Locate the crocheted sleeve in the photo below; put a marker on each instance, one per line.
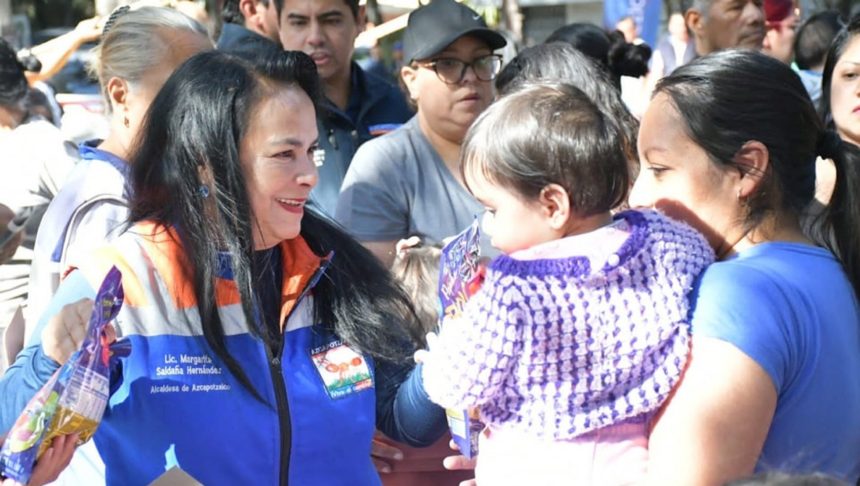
(475, 352)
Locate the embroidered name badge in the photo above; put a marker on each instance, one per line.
(319, 157)
(342, 369)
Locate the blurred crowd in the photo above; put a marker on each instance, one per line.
(667, 269)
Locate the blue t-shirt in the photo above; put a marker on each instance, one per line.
(791, 308)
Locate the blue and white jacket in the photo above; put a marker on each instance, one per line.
(174, 402)
(86, 213)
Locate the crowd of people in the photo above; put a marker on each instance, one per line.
(670, 270)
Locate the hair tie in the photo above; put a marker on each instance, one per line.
(829, 144)
(117, 13)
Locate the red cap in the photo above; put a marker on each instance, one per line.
(776, 10)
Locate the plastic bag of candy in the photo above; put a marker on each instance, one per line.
(75, 397)
(460, 277)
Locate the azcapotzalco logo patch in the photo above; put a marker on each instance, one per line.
(342, 369)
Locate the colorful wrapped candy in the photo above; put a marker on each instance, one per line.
(75, 397)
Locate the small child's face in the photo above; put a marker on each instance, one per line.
(513, 223)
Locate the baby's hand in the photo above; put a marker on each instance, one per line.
(405, 244)
(423, 355)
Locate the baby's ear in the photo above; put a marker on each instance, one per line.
(555, 202)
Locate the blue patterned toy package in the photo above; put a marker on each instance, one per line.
(460, 277)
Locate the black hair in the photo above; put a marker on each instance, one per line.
(13, 82)
(550, 133)
(196, 124)
(39, 107)
(608, 49)
(731, 97)
(560, 62)
(814, 37)
(837, 48)
(352, 4)
(230, 13)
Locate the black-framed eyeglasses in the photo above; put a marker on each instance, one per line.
(451, 70)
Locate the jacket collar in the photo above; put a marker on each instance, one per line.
(367, 88)
(234, 36)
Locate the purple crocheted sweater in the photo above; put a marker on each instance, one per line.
(552, 348)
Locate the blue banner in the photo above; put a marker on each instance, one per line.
(646, 14)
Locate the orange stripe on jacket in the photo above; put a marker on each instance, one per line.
(164, 249)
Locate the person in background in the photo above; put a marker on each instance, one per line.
(625, 61)
(54, 54)
(138, 51)
(288, 321)
(840, 85)
(376, 64)
(782, 18)
(729, 145)
(10, 241)
(811, 44)
(247, 23)
(724, 24)
(610, 50)
(41, 108)
(35, 162)
(407, 183)
(358, 106)
(627, 26)
(674, 49)
(838, 109)
(416, 267)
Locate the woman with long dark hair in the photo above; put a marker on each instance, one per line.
(267, 346)
(729, 145)
(839, 108)
(139, 48)
(840, 83)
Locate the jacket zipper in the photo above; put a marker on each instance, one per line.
(283, 411)
(282, 403)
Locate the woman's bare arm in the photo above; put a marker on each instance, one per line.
(714, 427)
